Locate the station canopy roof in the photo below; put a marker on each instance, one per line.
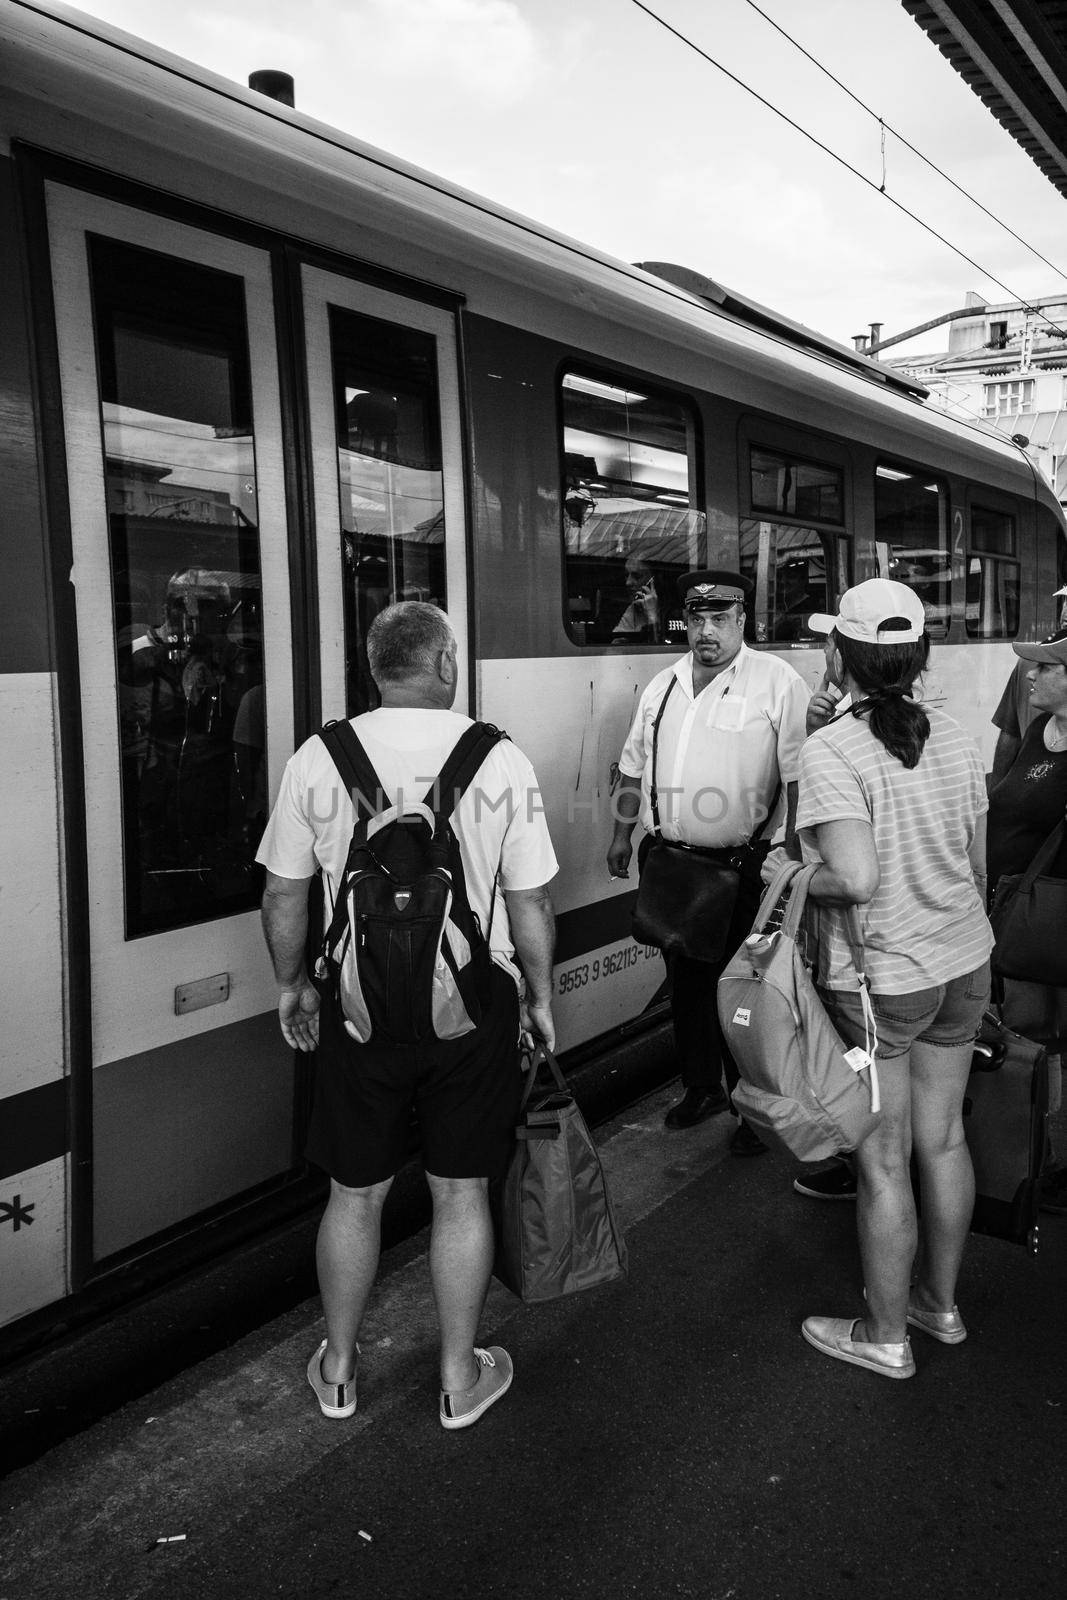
(1013, 53)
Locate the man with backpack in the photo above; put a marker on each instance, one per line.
(435, 856)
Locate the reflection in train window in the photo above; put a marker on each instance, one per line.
(389, 478)
(180, 479)
(992, 608)
(911, 539)
(795, 488)
(630, 524)
(795, 571)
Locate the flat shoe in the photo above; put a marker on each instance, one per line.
(833, 1336)
(944, 1325)
(462, 1407)
(335, 1399)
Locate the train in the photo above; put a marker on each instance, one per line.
(258, 380)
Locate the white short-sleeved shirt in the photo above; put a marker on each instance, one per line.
(722, 753)
(499, 822)
(925, 923)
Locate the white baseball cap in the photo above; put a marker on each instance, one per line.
(865, 611)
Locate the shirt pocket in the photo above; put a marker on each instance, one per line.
(728, 713)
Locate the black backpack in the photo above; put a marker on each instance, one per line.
(404, 956)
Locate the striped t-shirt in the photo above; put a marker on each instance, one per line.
(925, 923)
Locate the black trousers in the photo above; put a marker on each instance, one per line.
(703, 1058)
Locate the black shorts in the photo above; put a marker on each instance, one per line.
(465, 1093)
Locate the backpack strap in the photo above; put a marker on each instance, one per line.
(361, 782)
(455, 777)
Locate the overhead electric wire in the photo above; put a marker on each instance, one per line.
(825, 148)
(888, 127)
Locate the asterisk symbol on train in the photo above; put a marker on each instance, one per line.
(15, 1212)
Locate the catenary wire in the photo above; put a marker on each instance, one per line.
(825, 148)
(888, 128)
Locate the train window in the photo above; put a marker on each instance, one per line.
(992, 606)
(796, 571)
(389, 477)
(630, 527)
(180, 476)
(795, 488)
(911, 539)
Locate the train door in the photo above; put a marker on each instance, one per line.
(386, 445)
(172, 421)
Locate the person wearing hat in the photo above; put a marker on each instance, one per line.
(1029, 801)
(892, 807)
(726, 766)
(1015, 711)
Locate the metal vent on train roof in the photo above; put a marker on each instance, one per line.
(275, 85)
(755, 315)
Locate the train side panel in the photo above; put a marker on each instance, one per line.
(34, 1111)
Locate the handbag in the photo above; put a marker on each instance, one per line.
(686, 896)
(1005, 1119)
(799, 1082)
(556, 1230)
(1029, 919)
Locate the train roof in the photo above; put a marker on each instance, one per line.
(73, 85)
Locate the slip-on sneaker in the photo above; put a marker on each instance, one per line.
(944, 1325)
(833, 1183)
(833, 1336)
(460, 1408)
(335, 1399)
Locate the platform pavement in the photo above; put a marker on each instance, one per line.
(668, 1435)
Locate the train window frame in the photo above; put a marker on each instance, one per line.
(793, 458)
(639, 577)
(998, 571)
(940, 613)
(765, 629)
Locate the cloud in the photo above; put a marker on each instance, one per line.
(483, 47)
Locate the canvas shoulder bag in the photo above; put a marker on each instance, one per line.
(800, 1083)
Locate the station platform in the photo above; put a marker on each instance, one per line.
(671, 1434)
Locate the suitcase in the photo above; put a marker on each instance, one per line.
(1005, 1117)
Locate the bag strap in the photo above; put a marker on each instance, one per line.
(541, 1056)
(1045, 856)
(455, 777)
(353, 763)
(774, 892)
(653, 796)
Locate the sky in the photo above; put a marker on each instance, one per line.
(591, 118)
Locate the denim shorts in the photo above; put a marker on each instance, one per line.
(948, 1015)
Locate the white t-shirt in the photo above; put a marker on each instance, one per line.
(499, 822)
(722, 752)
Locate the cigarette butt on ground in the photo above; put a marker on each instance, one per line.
(366, 1536)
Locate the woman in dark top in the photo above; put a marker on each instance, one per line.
(1023, 810)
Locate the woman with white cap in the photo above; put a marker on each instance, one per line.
(892, 803)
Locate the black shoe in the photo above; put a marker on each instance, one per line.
(834, 1183)
(745, 1141)
(694, 1106)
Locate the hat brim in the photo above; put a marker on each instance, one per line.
(1057, 655)
(821, 623)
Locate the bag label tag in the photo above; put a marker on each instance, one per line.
(743, 1016)
(858, 1059)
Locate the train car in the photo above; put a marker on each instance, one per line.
(258, 379)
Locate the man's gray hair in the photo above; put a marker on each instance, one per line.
(405, 641)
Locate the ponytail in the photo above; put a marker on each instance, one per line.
(886, 673)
